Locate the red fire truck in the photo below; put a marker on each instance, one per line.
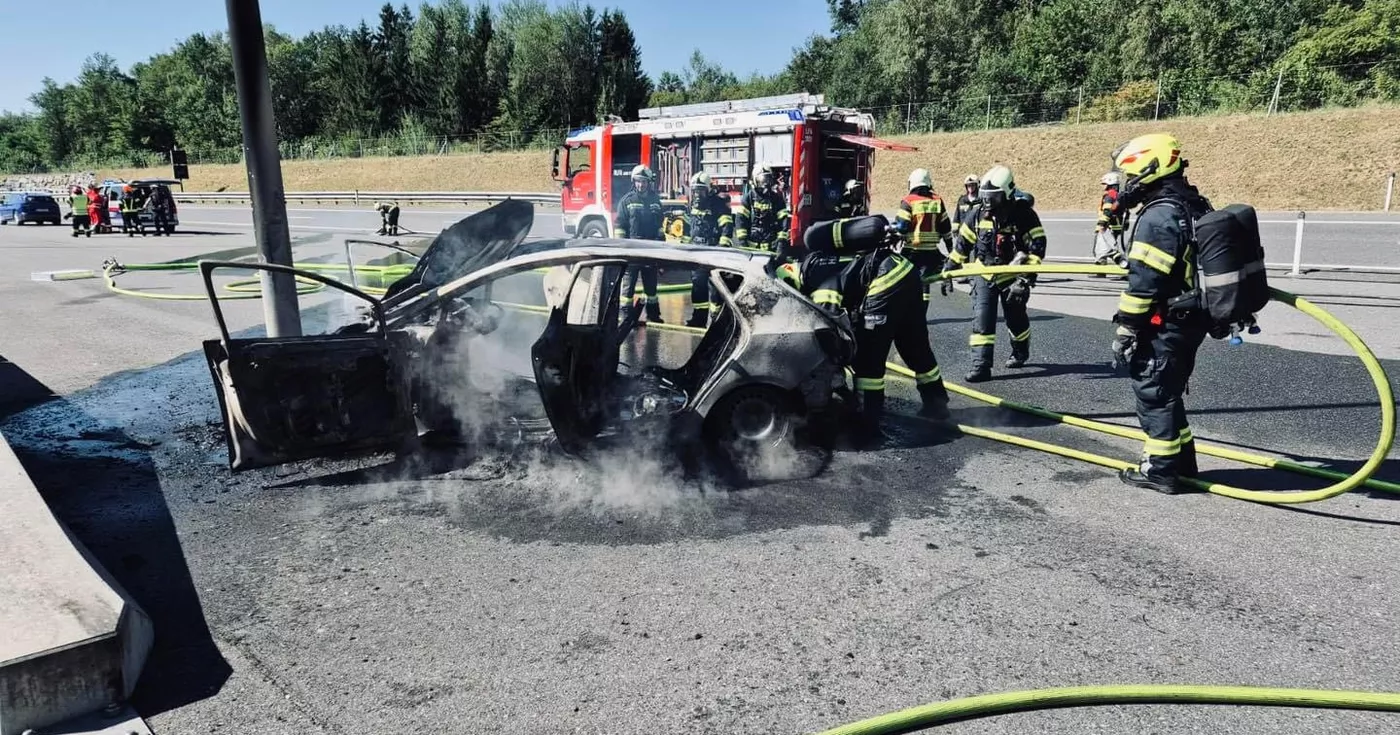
(813, 149)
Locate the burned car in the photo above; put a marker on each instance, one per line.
(491, 335)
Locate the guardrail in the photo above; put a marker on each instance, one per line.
(358, 197)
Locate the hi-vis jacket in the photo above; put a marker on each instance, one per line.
(923, 220)
(708, 221)
(762, 218)
(1160, 258)
(639, 216)
(994, 238)
(1111, 217)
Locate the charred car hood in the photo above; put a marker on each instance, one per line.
(477, 241)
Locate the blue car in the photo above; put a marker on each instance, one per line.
(22, 207)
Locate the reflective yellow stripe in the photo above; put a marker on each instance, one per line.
(981, 340)
(1152, 256)
(836, 234)
(926, 206)
(877, 384)
(725, 242)
(957, 257)
(826, 296)
(1022, 337)
(1162, 447)
(741, 233)
(1033, 259)
(1187, 436)
(743, 211)
(902, 214)
(985, 224)
(1035, 232)
(932, 376)
(967, 233)
(1130, 304)
(888, 281)
(726, 219)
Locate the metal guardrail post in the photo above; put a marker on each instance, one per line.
(1298, 246)
(1389, 189)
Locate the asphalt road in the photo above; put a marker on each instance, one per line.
(545, 595)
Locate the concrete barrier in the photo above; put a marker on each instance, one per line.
(72, 642)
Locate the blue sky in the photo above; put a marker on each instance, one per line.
(745, 37)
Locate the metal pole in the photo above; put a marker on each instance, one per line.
(1079, 111)
(1157, 110)
(1298, 246)
(989, 113)
(245, 32)
(1278, 87)
(1389, 189)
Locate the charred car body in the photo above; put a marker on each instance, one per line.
(433, 355)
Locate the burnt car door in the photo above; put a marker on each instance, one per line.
(289, 398)
(575, 360)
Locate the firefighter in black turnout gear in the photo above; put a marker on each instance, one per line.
(708, 221)
(763, 214)
(1000, 229)
(968, 199)
(639, 217)
(853, 201)
(884, 293)
(1157, 343)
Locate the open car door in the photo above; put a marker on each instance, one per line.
(289, 398)
(575, 360)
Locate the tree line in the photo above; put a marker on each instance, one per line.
(453, 70)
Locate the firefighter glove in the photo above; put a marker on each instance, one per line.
(1019, 292)
(1124, 345)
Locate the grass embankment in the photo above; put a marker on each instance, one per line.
(1333, 159)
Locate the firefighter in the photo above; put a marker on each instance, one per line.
(639, 217)
(162, 207)
(1113, 219)
(388, 218)
(1000, 229)
(853, 201)
(923, 220)
(890, 297)
(131, 211)
(79, 202)
(1157, 345)
(968, 199)
(96, 205)
(763, 214)
(708, 221)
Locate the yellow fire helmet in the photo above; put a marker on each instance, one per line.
(1147, 158)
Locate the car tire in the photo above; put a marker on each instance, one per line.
(594, 228)
(757, 433)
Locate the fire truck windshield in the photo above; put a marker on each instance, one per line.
(580, 158)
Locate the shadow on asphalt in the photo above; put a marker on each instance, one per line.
(104, 486)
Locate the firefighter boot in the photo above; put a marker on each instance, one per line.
(1144, 477)
(979, 374)
(654, 312)
(1020, 353)
(699, 318)
(1186, 461)
(935, 401)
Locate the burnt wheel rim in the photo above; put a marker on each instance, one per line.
(757, 419)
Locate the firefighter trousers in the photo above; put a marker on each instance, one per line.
(929, 260)
(1160, 370)
(909, 336)
(986, 295)
(700, 293)
(648, 276)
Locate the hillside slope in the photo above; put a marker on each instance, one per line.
(1333, 159)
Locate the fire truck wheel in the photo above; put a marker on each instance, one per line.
(593, 229)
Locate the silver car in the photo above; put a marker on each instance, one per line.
(491, 336)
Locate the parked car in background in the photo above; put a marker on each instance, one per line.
(112, 190)
(29, 206)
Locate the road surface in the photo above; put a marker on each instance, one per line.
(550, 596)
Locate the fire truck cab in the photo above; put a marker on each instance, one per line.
(813, 149)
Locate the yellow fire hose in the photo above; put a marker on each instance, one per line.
(932, 715)
(989, 705)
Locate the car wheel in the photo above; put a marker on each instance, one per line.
(757, 433)
(594, 228)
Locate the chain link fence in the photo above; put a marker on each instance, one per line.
(1289, 89)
